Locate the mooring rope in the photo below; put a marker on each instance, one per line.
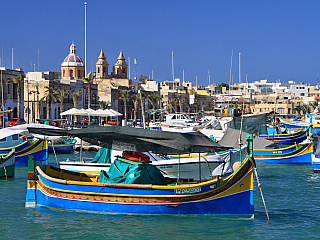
(5, 170)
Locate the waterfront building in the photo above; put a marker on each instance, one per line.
(9, 92)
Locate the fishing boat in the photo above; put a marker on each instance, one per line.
(296, 154)
(62, 145)
(316, 159)
(37, 148)
(9, 141)
(270, 152)
(7, 162)
(300, 125)
(53, 187)
(288, 138)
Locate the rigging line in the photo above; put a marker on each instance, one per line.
(120, 171)
(208, 167)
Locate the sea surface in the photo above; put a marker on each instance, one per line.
(291, 192)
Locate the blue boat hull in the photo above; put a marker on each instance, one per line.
(61, 148)
(39, 151)
(301, 155)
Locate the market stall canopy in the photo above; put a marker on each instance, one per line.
(101, 113)
(75, 111)
(137, 139)
(116, 114)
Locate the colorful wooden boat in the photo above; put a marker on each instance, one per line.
(288, 138)
(7, 162)
(53, 187)
(37, 148)
(66, 145)
(300, 125)
(297, 154)
(316, 159)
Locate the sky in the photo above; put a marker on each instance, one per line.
(276, 39)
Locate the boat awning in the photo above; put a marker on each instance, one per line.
(137, 139)
(231, 139)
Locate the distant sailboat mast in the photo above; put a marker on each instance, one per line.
(230, 76)
(85, 38)
(239, 68)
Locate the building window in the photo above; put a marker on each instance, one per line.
(79, 74)
(71, 73)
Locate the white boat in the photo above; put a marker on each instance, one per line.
(216, 128)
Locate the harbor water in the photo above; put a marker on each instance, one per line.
(291, 193)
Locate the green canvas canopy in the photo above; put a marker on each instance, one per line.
(137, 139)
(125, 171)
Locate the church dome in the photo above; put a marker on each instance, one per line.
(72, 60)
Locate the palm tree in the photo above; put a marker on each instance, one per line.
(306, 109)
(76, 100)
(142, 98)
(160, 97)
(174, 102)
(136, 102)
(187, 105)
(17, 80)
(88, 80)
(314, 105)
(298, 109)
(60, 95)
(49, 96)
(153, 99)
(103, 104)
(125, 96)
(196, 104)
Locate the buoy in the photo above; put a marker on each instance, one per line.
(236, 165)
(136, 156)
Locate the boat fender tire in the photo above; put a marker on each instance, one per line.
(136, 156)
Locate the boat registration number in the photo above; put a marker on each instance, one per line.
(188, 190)
(277, 152)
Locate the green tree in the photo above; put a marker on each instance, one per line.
(174, 103)
(142, 78)
(17, 80)
(49, 96)
(306, 108)
(103, 104)
(298, 109)
(314, 105)
(160, 98)
(224, 85)
(153, 99)
(196, 105)
(136, 103)
(60, 95)
(76, 100)
(187, 105)
(125, 96)
(89, 80)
